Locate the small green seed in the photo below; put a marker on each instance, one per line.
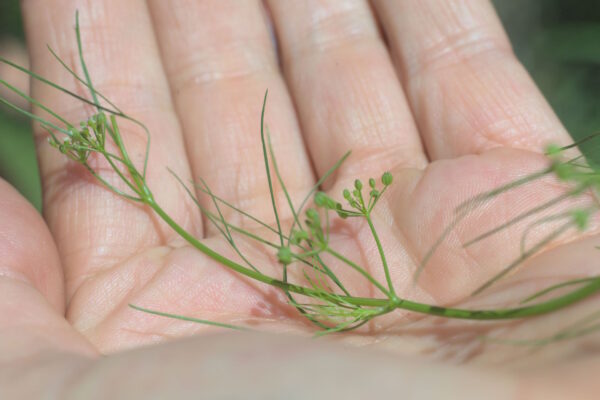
(284, 255)
(372, 183)
(320, 199)
(298, 236)
(312, 214)
(358, 184)
(342, 214)
(387, 179)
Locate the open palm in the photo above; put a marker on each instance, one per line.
(435, 96)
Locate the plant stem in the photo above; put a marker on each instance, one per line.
(359, 269)
(457, 313)
(386, 269)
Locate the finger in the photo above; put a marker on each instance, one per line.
(220, 60)
(31, 286)
(94, 228)
(344, 86)
(467, 90)
(21, 230)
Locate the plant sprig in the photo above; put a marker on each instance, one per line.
(323, 299)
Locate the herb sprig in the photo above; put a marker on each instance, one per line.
(323, 299)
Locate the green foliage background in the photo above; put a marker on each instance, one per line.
(557, 40)
(17, 155)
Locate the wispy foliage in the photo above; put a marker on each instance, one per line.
(323, 299)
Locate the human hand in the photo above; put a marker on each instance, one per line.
(458, 94)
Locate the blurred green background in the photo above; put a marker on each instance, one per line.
(17, 157)
(557, 40)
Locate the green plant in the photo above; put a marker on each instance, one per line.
(322, 298)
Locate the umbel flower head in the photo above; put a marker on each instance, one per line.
(80, 142)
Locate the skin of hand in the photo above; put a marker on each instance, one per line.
(428, 90)
(13, 50)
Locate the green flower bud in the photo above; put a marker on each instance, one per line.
(312, 214)
(387, 179)
(53, 142)
(340, 211)
(342, 214)
(92, 123)
(346, 194)
(358, 184)
(320, 199)
(284, 255)
(372, 183)
(298, 236)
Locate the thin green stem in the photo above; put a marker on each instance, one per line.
(280, 179)
(190, 319)
(55, 86)
(359, 269)
(448, 312)
(331, 275)
(521, 217)
(316, 186)
(264, 147)
(483, 197)
(534, 249)
(118, 171)
(466, 207)
(556, 287)
(111, 187)
(78, 78)
(34, 102)
(34, 117)
(386, 269)
(242, 212)
(116, 135)
(227, 233)
(82, 61)
(438, 242)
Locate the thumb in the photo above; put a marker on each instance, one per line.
(32, 323)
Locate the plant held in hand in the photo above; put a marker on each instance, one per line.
(321, 295)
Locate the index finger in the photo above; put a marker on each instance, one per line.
(95, 229)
